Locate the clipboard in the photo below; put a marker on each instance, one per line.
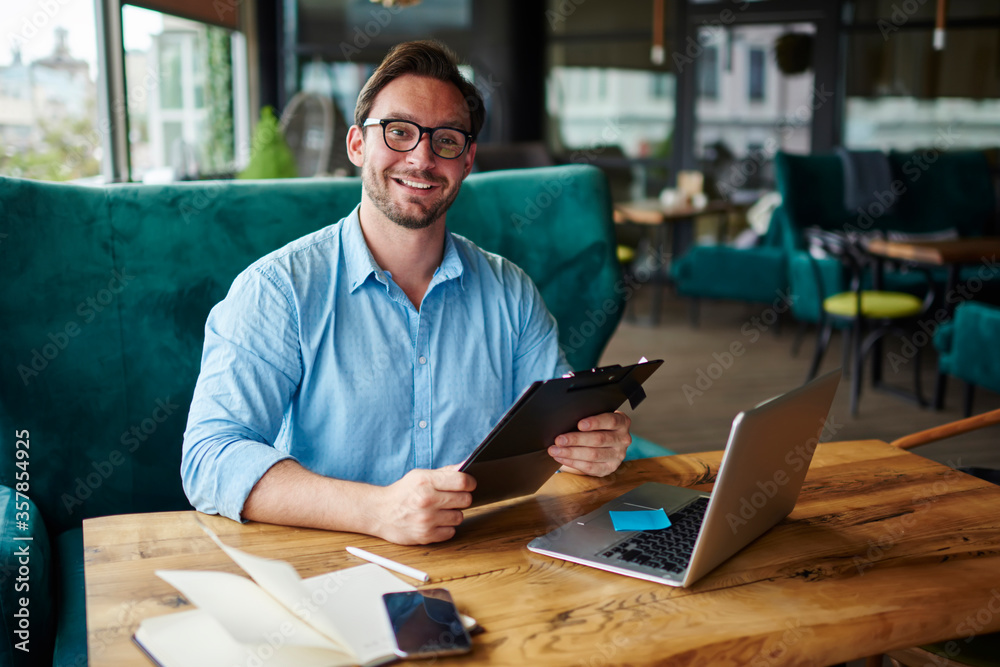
(513, 460)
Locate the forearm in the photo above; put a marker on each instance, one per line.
(289, 495)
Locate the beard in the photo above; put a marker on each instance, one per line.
(377, 188)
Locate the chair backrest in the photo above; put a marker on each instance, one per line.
(952, 191)
(106, 292)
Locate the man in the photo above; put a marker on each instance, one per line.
(346, 375)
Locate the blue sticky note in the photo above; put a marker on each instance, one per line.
(640, 520)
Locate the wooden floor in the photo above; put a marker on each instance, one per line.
(692, 399)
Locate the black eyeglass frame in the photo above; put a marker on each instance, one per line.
(429, 131)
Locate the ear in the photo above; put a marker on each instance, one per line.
(356, 146)
(470, 159)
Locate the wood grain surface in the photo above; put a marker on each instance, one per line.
(652, 212)
(946, 251)
(884, 550)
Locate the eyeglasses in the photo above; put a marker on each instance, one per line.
(403, 136)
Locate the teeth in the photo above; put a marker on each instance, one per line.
(412, 184)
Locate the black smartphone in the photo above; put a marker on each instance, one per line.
(426, 623)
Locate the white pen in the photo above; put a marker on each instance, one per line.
(389, 564)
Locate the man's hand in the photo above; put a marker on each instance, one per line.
(598, 449)
(424, 506)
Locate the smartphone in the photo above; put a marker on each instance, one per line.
(426, 623)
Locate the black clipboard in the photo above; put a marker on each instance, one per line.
(513, 460)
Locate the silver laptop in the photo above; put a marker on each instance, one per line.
(766, 459)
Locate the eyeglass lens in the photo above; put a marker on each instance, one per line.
(401, 135)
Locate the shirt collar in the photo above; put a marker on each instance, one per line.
(361, 264)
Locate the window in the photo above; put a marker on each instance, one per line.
(182, 104)
(708, 73)
(740, 128)
(48, 92)
(607, 103)
(757, 61)
(901, 94)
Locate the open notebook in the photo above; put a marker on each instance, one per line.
(277, 619)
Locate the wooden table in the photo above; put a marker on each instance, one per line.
(951, 253)
(947, 252)
(885, 549)
(672, 233)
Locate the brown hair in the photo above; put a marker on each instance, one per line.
(423, 58)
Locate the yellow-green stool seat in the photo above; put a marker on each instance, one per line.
(626, 254)
(876, 305)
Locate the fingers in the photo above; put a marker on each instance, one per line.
(449, 479)
(609, 421)
(598, 448)
(425, 506)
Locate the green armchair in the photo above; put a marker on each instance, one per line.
(106, 292)
(967, 348)
(954, 193)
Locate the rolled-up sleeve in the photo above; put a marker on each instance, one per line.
(251, 367)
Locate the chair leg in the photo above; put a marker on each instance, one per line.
(857, 359)
(800, 333)
(845, 350)
(917, 385)
(822, 341)
(940, 386)
(967, 395)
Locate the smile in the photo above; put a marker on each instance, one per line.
(414, 184)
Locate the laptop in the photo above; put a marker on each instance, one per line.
(762, 470)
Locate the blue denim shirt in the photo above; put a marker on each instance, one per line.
(317, 354)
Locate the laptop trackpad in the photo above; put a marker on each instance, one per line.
(649, 496)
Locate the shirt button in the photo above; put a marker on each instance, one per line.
(422, 360)
(422, 424)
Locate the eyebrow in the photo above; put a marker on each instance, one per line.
(453, 122)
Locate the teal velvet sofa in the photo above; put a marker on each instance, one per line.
(969, 348)
(105, 295)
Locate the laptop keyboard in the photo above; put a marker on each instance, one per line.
(668, 549)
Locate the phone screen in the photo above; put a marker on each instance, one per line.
(426, 623)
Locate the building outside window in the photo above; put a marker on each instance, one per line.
(184, 104)
(757, 110)
(48, 93)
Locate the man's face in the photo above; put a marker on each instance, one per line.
(412, 189)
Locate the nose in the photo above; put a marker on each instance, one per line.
(422, 156)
